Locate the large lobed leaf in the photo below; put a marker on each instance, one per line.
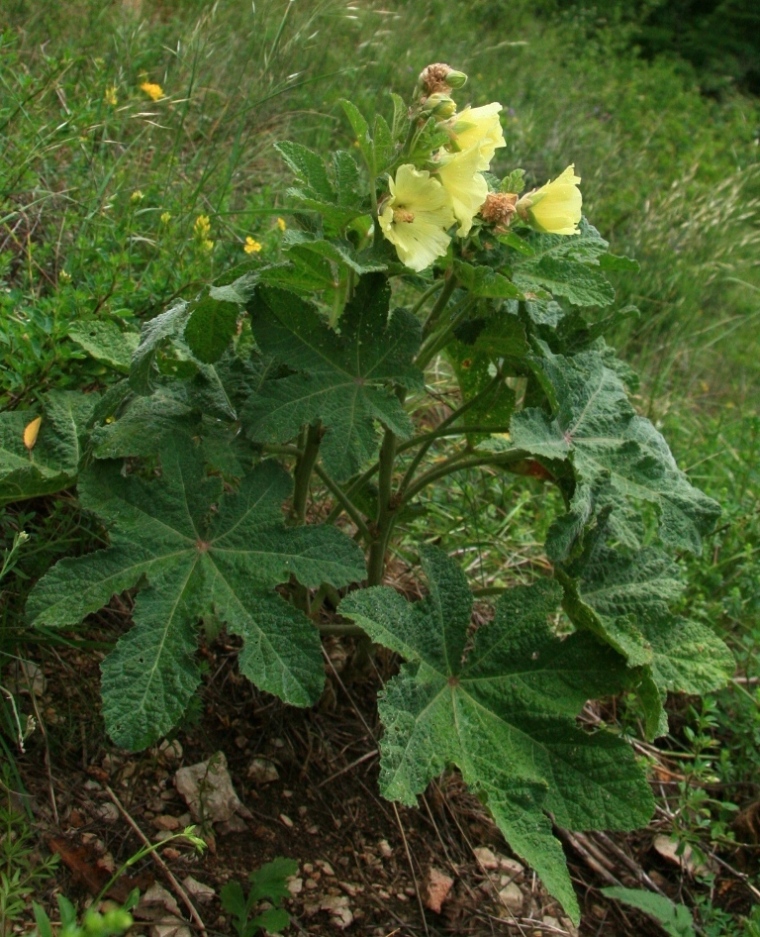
(624, 598)
(502, 711)
(192, 550)
(343, 380)
(595, 427)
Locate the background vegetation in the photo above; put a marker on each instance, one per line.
(113, 203)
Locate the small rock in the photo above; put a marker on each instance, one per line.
(166, 822)
(311, 884)
(198, 890)
(302, 811)
(294, 885)
(551, 921)
(108, 812)
(486, 858)
(326, 867)
(338, 908)
(262, 771)
(286, 821)
(235, 824)
(511, 866)
(439, 885)
(169, 752)
(208, 791)
(511, 897)
(384, 849)
(351, 888)
(669, 849)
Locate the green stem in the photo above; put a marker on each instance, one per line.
(450, 284)
(426, 295)
(303, 470)
(348, 506)
(385, 511)
(354, 487)
(437, 341)
(282, 450)
(457, 463)
(443, 429)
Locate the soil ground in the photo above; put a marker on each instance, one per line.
(307, 780)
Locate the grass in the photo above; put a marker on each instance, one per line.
(102, 188)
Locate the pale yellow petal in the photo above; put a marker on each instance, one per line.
(465, 185)
(481, 127)
(416, 217)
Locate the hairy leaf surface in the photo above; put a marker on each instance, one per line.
(53, 461)
(193, 550)
(342, 379)
(596, 428)
(502, 711)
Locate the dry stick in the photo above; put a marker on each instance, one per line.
(629, 862)
(158, 860)
(411, 869)
(593, 863)
(354, 764)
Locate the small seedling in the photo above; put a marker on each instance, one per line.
(267, 884)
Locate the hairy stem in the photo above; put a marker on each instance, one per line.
(385, 518)
(449, 285)
(345, 502)
(462, 461)
(303, 470)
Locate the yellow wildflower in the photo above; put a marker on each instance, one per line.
(137, 196)
(202, 227)
(154, 92)
(555, 208)
(466, 187)
(481, 127)
(281, 224)
(207, 245)
(110, 96)
(251, 246)
(416, 216)
(166, 217)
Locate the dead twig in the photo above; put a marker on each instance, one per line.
(179, 890)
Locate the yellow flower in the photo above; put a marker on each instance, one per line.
(137, 196)
(154, 92)
(110, 96)
(466, 187)
(481, 127)
(202, 227)
(166, 217)
(555, 208)
(207, 245)
(251, 246)
(416, 216)
(281, 224)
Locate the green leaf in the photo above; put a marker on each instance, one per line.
(383, 144)
(104, 341)
(483, 281)
(503, 712)
(474, 372)
(624, 598)
(360, 127)
(154, 334)
(595, 427)
(343, 380)
(210, 326)
(336, 251)
(578, 283)
(271, 880)
(675, 919)
(309, 167)
(53, 462)
(143, 424)
(192, 550)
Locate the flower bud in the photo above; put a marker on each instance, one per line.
(440, 106)
(440, 77)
